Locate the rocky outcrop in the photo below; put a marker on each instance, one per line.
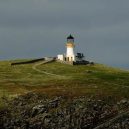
(37, 111)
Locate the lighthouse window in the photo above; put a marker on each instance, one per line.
(70, 40)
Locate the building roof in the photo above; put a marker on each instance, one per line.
(70, 37)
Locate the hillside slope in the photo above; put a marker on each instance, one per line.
(56, 78)
(59, 96)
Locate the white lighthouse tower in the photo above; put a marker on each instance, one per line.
(70, 56)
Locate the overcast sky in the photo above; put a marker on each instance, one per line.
(38, 28)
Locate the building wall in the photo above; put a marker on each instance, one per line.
(70, 51)
(70, 58)
(61, 57)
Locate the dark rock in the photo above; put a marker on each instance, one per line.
(38, 110)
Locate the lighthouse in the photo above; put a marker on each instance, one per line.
(70, 56)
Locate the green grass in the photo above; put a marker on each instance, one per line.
(73, 80)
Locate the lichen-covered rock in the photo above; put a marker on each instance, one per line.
(36, 111)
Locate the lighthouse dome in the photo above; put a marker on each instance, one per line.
(70, 37)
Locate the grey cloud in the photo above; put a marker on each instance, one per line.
(35, 28)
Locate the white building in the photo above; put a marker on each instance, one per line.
(70, 54)
(61, 57)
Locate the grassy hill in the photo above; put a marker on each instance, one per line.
(61, 79)
(56, 95)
